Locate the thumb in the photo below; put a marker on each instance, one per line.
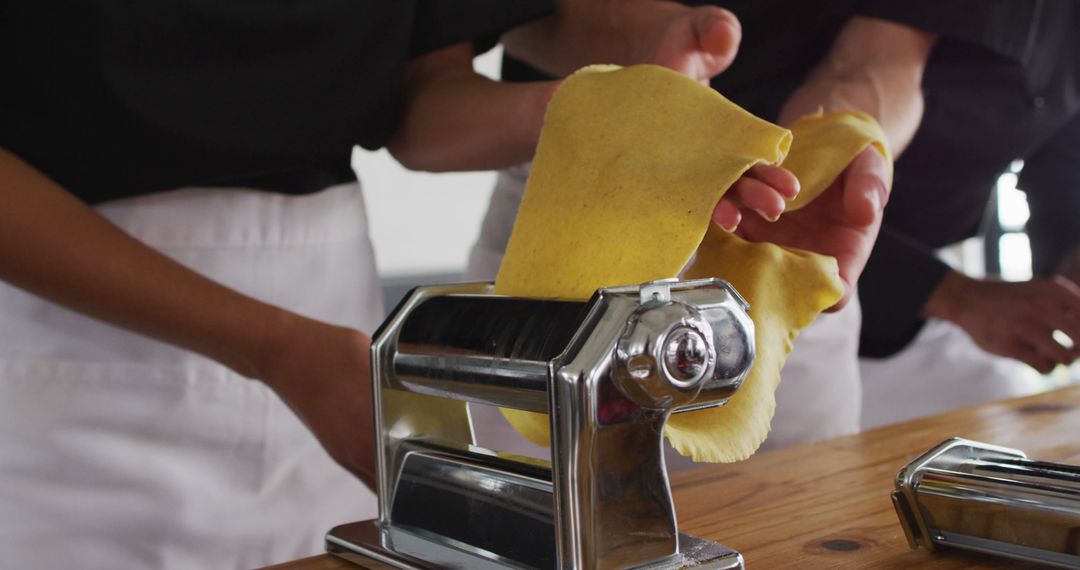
(865, 189)
(717, 33)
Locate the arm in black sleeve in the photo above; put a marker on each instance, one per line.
(1002, 26)
(1051, 179)
(899, 278)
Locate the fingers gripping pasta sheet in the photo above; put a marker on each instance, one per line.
(630, 164)
(824, 144)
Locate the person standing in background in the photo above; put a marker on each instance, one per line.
(179, 216)
(188, 285)
(1002, 88)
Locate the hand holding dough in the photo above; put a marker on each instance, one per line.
(630, 164)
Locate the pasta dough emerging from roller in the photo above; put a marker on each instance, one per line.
(629, 167)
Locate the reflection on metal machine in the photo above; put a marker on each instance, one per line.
(975, 496)
(611, 371)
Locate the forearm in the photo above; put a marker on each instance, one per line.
(1021, 320)
(947, 297)
(875, 67)
(455, 119)
(54, 246)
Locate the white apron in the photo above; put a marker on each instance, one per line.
(818, 398)
(117, 451)
(942, 369)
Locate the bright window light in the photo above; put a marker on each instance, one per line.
(1013, 210)
(1015, 257)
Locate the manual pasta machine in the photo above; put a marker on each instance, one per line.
(991, 499)
(609, 370)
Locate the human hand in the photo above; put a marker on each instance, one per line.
(1016, 320)
(843, 222)
(764, 189)
(698, 42)
(323, 373)
(1069, 266)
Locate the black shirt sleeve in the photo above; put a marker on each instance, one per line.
(1051, 179)
(1006, 27)
(898, 279)
(442, 23)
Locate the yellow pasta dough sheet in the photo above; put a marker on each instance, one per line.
(824, 144)
(785, 288)
(630, 165)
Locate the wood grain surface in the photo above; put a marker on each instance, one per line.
(826, 505)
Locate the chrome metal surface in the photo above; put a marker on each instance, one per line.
(440, 488)
(657, 336)
(367, 544)
(687, 355)
(658, 291)
(371, 545)
(394, 421)
(487, 349)
(991, 499)
(611, 369)
(707, 555)
(518, 384)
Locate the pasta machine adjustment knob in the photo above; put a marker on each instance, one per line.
(687, 355)
(664, 355)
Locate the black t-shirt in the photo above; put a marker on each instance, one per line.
(113, 99)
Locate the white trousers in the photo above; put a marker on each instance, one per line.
(117, 451)
(819, 396)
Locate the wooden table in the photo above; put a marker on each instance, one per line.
(827, 505)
